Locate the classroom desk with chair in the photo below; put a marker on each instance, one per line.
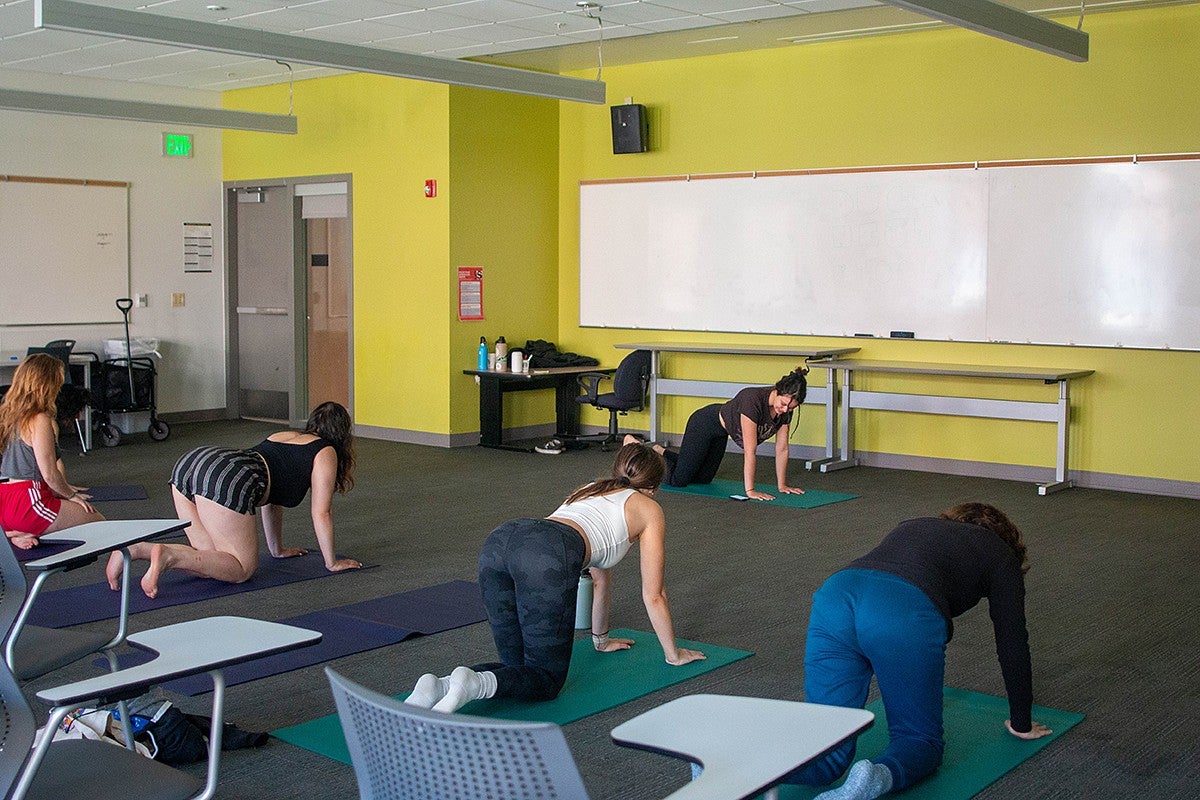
(661, 385)
(1056, 412)
(494, 384)
(745, 744)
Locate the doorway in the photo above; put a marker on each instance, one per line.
(290, 257)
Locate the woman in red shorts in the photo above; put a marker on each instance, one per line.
(36, 497)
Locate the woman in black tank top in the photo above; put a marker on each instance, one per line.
(219, 490)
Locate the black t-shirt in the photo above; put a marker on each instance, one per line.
(956, 565)
(755, 403)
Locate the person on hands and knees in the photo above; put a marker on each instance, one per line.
(889, 613)
(754, 415)
(529, 574)
(219, 489)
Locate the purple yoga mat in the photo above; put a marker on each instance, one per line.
(43, 550)
(95, 601)
(457, 604)
(105, 494)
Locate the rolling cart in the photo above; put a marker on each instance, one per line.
(125, 386)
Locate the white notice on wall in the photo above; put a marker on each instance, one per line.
(197, 247)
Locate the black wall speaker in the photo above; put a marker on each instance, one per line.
(630, 129)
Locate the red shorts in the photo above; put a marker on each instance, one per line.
(27, 507)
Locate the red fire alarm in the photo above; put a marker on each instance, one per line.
(431, 188)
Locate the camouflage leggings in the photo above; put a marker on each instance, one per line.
(529, 575)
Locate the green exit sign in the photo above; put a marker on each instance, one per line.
(177, 144)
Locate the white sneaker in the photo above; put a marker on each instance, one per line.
(550, 448)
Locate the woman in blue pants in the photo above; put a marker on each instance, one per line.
(889, 614)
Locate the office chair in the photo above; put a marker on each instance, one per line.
(401, 751)
(95, 769)
(629, 386)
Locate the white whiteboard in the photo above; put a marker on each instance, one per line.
(64, 252)
(1099, 254)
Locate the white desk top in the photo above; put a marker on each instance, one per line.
(739, 349)
(965, 370)
(745, 744)
(98, 538)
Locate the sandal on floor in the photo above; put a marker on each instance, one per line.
(551, 448)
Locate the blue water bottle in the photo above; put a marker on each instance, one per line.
(483, 353)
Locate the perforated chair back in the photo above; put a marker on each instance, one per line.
(402, 751)
(17, 725)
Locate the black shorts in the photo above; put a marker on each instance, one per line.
(235, 479)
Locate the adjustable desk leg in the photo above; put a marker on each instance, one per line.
(655, 367)
(491, 413)
(830, 424)
(847, 449)
(1060, 481)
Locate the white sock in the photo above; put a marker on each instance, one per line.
(865, 781)
(466, 685)
(429, 689)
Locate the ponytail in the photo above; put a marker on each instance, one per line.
(636, 466)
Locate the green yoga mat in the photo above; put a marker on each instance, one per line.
(596, 682)
(723, 489)
(978, 748)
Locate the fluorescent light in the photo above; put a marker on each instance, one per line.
(73, 105)
(1005, 22)
(66, 15)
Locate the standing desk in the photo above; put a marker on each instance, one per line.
(661, 385)
(1057, 412)
(745, 744)
(494, 384)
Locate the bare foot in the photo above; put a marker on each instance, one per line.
(658, 448)
(631, 439)
(24, 541)
(113, 570)
(157, 566)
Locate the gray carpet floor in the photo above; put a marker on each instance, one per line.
(1113, 602)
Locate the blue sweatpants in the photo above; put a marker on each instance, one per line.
(866, 622)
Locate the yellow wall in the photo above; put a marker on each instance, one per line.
(495, 159)
(947, 95)
(504, 217)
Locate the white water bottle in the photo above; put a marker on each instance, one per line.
(517, 360)
(501, 349)
(583, 603)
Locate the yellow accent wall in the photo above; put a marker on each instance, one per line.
(946, 95)
(495, 159)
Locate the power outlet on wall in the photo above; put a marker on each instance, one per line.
(178, 300)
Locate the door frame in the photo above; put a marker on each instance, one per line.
(297, 407)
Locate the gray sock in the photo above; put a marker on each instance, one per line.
(864, 781)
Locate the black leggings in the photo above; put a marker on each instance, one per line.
(529, 575)
(701, 450)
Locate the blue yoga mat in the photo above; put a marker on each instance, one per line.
(106, 494)
(978, 748)
(595, 683)
(95, 601)
(725, 490)
(345, 632)
(43, 550)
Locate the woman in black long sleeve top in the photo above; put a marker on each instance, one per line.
(889, 613)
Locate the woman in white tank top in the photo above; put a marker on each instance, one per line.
(529, 575)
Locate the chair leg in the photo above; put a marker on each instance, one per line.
(613, 437)
(79, 431)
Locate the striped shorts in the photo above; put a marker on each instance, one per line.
(235, 479)
(27, 507)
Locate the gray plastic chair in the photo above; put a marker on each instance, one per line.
(402, 751)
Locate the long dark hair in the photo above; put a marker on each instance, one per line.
(994, 520)
(331, 421)
(794, 384)
(636, 466)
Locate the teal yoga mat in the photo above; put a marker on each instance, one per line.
(596, 682)
(978, 748)
(811, 498)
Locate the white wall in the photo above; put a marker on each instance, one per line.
(164, 194)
